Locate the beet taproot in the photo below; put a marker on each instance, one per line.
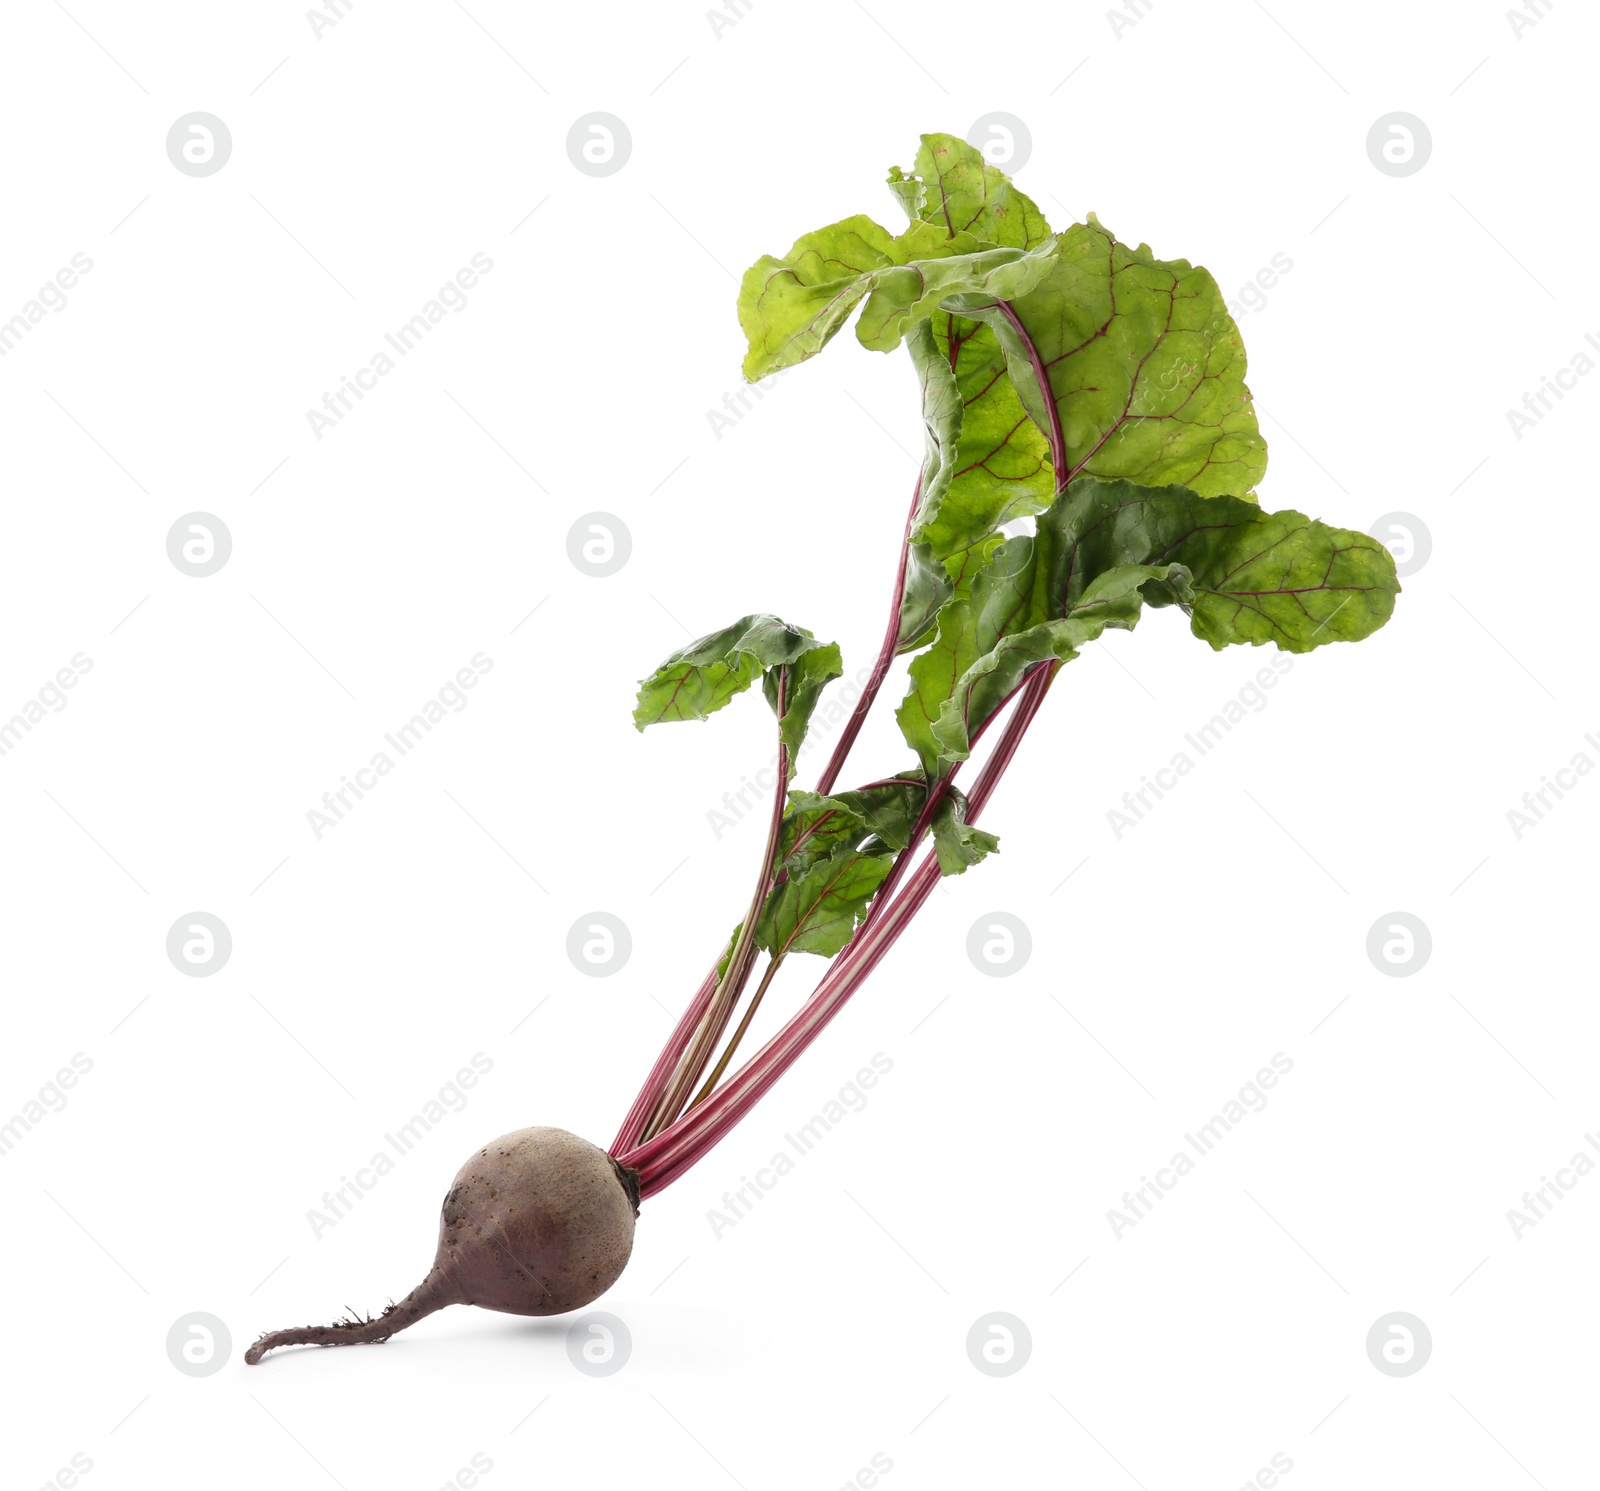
(539, 1222)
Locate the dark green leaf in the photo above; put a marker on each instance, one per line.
(699, 679)
(969, 626)
(956, 843)
(1255, 577)
(876, 819)
(1113, 599)
(806, 677)
(817, 910)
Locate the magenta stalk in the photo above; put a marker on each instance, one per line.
(880, 669)
(663, 1158)
(719, 1010)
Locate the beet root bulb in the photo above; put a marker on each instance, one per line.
(539, 1222)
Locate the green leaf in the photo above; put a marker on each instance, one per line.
(908, 192)
(1112, 599)
(956, 843)
(998, 466)
(877, 819)
(927, 584)
(927, 588)
(1254, 576)
(907, 294)
(1142, 367)
(969, 626)
(807, 676)
(1103, 550)
(791, 308)
(817, 911)
(699, 679)
(956, 188)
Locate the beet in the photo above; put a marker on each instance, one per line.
(537, 1223)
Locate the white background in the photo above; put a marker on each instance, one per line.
(368, 166)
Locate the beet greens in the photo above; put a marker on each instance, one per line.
(1065, 377)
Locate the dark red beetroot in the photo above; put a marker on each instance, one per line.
(538, 1223)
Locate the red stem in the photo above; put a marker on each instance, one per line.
(665, 1157)
(719, 1009)
(634, 1125)
(880, 669)
(645, 1105)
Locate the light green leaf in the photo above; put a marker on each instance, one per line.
(908, 192)
(791, 308)
(956, 188)
(998, 467)
(817, 910)
(902, 296)
(1142, 367)
(956, 843)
